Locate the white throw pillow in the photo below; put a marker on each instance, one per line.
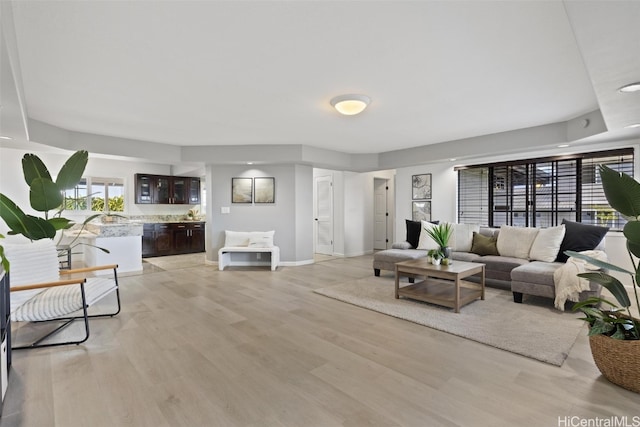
(516, 241)
(426, 242)
(261, 239)
(547, 244)
(235, 239)
(462, 237)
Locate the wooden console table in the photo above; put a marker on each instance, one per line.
(442, 284)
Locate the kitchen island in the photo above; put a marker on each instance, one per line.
(123, 240)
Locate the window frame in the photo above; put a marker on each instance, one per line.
(89, 182)
(528, 170)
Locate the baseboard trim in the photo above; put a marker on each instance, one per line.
(263, 264)
(358, 254)
(295, 263)
(284, 263)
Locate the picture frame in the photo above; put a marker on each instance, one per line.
(421, 186)
(241, 190)
(264, 190)
(421, 211)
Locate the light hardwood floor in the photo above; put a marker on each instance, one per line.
(249, 347)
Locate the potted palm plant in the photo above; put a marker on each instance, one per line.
(614, 332)
(441, 233)
(46, 196)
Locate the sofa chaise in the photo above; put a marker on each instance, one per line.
(520, 259)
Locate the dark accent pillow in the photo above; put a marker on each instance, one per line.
(580, 237)
(413, 231)
(484, 245)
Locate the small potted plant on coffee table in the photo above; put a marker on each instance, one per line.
(441, 234)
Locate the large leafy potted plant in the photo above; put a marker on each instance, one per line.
(614, 333)
(45, 195)
(441, 233)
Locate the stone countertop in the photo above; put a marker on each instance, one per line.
(187, 221)
(116, 229)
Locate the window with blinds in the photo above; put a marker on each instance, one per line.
(540, 192)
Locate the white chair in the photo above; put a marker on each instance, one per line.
(40, 292)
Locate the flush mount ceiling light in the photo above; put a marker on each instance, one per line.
(350, 105)
(632, 87)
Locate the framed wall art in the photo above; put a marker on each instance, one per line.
(264, 190)
(421, 211)
(241, 190)
(421, 185)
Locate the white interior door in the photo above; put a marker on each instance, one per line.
(380, 239)
(324, 215)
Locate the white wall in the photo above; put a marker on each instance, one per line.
(303, 213)
(291, 215)
(443, 194)
(353, 209)
(359, 210)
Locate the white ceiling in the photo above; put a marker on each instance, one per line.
(263, 72)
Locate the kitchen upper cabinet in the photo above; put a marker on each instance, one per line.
(180, 190)
(162, 190)
(194, 191)
(144, 188)
(167, 190)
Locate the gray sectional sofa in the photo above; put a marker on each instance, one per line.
(520, 274)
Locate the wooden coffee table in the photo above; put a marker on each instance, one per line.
(442, 284)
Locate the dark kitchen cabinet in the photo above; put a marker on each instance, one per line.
(188, 237)
(157, 240)
(148, 240)
(144, 188)
(164, 239)
(162, 190)
(167, 190)
(173, 238)
(194, 191)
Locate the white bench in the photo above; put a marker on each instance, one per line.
(224, 255)
(248, 242)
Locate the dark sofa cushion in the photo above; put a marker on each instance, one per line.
(483, 245)
(580, 237)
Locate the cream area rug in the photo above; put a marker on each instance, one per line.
(533, 329)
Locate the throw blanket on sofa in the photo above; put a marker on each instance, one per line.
(568, 284)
